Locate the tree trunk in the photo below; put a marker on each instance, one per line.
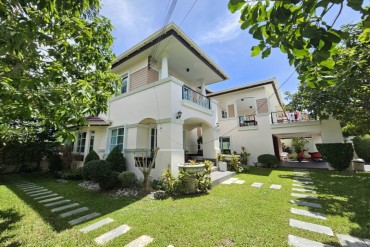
(147, 186)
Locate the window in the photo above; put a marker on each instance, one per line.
(116, 138)
(92, 138)
(124, 84)
(225, 145)
(153, 139)
(81, 142)
(223, 113)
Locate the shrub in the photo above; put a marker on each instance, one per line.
(128, 179)
(69, 175)
(339, 155)
(268, 160)
(55, 163)
(168, 181)
(92, 155)
(96, 170)
(298, 143)
(244, 156)
(362, 147)
(109, 181)
(116, 160)
(234, 164)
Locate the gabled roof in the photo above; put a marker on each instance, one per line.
(170, 31)
(97, 121)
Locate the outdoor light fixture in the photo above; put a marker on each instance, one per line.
(178, 114)
(217, 125)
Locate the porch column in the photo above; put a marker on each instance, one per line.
(211, 146)
(202, 86)
(170, 142)
(164, 70)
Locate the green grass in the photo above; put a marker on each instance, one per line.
(230, 215)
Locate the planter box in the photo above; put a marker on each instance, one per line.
(222, 166)
(358, 165)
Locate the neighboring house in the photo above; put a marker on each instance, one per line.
(252, 116)
(162, 102)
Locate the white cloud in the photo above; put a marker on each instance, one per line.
(223, 29)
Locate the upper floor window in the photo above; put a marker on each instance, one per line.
(223, 113)
(81, 142)
(124, 84)
(92, 138)
(116, 138)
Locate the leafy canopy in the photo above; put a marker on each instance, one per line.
(301, 29)
(55, 61)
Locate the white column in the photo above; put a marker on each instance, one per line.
(202, 86)
(210, 142)
(164, 70)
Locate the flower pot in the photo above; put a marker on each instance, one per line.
(190, 183)
(222, 166)
(191, 169)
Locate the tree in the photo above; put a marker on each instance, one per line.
(146, 167)
(55, 63)
(301, 29)
(347, 98)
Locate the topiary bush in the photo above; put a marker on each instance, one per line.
(128, 179)
(92, 155)
(109, 181)
(96, 170)
(339, 155)
(55, 163)
(362, 147)
(117, 160)
(268, 160)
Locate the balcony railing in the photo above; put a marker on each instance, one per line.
(248, 120)
(195, 97)
(291, 117)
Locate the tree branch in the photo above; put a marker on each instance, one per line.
(336, 18)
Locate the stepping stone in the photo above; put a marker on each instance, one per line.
(350, 241)
(25, 186)
(311, 227)
(303, 196)
(308, 213)
(229, 181)
(302, 182)
(303, 242)
(275, 187)
(112, 234)
(239, 182)
(73, 212)
(300, 170)
(257, 185)
(140, 242)
(306, 204)
(36, 191)
(28, 189)
(42, 193)
(46, 196)
(51, 199)
(304, 190)
(64, 207)
(306, 179)
(56, 203)
(96, 225)
(83, 218)
(304, 185)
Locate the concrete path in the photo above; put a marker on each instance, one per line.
(108, 236)
(96, 225)
(311, 227)
(140, 242)
(303, 242)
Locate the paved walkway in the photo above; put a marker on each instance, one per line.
(72, 212)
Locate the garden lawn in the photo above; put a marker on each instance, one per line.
(230, 215)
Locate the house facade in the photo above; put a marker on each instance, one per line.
(252, 116)
(163, 102)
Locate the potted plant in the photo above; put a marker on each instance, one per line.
(222, 165)
(189, 172)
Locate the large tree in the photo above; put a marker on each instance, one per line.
(55, 62)
(303, 29)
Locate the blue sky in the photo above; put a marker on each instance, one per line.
(213, 28)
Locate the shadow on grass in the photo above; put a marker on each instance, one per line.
(7, 220)
(96, 201)
(348, 195)
(260, 171)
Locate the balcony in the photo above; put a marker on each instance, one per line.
(195, 97)
(282, 117)
(248, 120)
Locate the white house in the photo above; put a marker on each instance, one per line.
(163, 102)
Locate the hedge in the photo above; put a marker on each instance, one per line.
(117, 160)
(92, 155)
(268, 160)
(362, 147)
(339, 155)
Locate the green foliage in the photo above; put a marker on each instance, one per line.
(92, 155)
(339, 155)
(69, 175)
(55, 65)
(117, 160)
(362, 147)
(55, 163)
(96, 170)
(220, 157)
(303, 30)
(268, 160)
(168, 181)
(234, 164)
(298, 144)
(128, 179)
(244, 156)
(109, 181)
